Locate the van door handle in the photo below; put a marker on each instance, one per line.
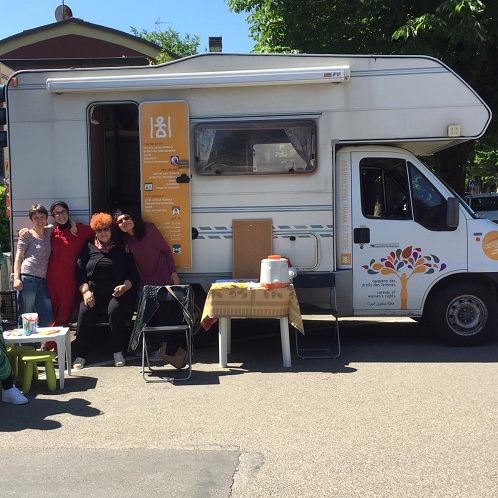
(183, 178)
(361, 235)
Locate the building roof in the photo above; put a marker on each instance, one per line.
(74, 39)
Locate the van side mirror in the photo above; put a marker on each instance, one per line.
(452, 212)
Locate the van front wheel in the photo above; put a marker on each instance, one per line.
(464, 314)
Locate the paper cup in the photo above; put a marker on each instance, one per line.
(29, 323)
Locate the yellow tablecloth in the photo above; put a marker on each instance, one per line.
(239, 300)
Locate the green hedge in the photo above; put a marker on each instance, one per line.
(4, 223)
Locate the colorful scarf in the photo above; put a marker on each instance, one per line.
(102, 248)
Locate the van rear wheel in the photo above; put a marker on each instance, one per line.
(464, 314)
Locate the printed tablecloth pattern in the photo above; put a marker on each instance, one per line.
(233, 301)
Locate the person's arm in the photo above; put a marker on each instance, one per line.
(24, 233)
(87, 295)
(74, 227)
(159, 241)
(80, 271)
(119, 290)
(131, 276)
(85, 231)
(17, 269)
(82, 279)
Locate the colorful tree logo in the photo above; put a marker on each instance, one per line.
(411, 262)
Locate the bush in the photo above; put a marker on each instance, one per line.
(4, 223)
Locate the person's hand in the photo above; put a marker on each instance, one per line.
(74, 228)
(119, 290)
(175, 279)
(18, 284)
(88, 299)
(24, 233)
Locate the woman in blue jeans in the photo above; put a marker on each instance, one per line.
(30, 268)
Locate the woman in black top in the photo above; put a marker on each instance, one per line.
(106, 277)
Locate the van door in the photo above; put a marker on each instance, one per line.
(114, 157)
(140, 163)
(165, 166)
(401, 244)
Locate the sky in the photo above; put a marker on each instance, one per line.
(204, 18)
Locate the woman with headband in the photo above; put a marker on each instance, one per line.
(66, 248)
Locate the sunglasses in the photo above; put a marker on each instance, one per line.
(103, 229)
(126, 217)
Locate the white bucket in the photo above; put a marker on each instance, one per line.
(275, 272)
(29, 323)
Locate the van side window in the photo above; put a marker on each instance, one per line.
(384, 189)
(429, 206)
(255, 147)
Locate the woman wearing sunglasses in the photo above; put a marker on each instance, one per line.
(106, 276)
(155, 266)
(151, 252)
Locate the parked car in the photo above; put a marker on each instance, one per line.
(484, 205)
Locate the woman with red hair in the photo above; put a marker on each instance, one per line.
(106, 276)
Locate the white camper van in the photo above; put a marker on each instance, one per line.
(326, 147)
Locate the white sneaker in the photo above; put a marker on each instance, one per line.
(118, 359)
(14, 396)
(79, 363)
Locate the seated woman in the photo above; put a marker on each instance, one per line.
(106, 276)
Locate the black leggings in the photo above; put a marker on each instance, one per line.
(117, 309)
(8, 383)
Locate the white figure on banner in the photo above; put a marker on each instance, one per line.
(163, 130)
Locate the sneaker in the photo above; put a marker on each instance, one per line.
(155, 356)
(14, 396)
(118, 359)
(79, 363)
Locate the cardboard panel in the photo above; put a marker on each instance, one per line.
(252, 242)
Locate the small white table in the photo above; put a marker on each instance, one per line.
(62, 339)
(225, 339)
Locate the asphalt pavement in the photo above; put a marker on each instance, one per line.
(397, 414)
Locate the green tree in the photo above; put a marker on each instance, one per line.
(4, 223)
(461, 33)
(171, 42)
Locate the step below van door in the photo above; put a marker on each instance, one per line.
(401, 244)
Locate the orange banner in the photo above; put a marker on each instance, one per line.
(164, 146)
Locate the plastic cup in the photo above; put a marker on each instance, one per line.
(29, 323)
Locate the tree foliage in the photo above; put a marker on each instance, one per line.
(171, 43)
(461, 33)
(4, 223)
